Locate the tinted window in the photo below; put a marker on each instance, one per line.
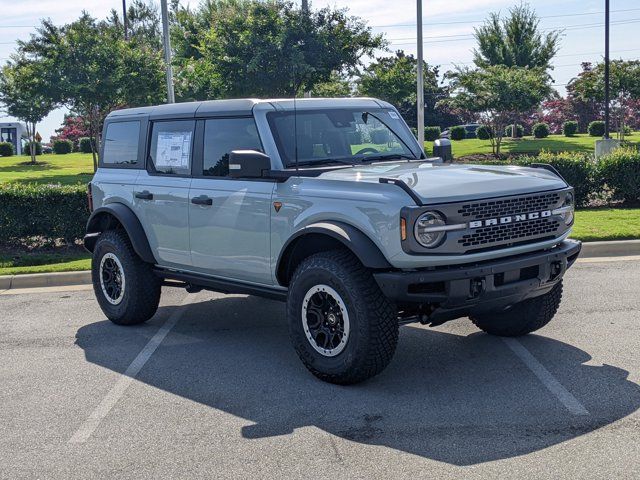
(172, 147)
(121, 143)
(221, 137)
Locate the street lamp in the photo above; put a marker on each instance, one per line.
(167, 51)
(607, 86)
(420, 80)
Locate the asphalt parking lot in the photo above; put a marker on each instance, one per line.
(210, 388)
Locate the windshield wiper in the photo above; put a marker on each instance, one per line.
(324, 161)
(391, 156)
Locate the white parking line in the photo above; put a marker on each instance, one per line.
(116, 392)
(570, 402)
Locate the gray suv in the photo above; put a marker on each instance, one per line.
(331, 206)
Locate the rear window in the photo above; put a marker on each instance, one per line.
(121, 143)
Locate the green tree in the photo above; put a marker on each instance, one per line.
(95, 71)
(393, 78)
(238, 48)
(625, 88)
(143, 23)
(26, 95)
(515, 41)
(497, 93)
(336, 86)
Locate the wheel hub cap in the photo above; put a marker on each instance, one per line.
(112, 280)
(325, 320)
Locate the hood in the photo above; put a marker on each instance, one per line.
(437, 183)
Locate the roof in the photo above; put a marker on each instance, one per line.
(240, 106)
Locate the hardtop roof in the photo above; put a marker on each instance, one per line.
(241, 107)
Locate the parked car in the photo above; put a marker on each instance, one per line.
(470, 128)
(331, 206)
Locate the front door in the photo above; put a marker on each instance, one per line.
(230, 218)
(161, 194)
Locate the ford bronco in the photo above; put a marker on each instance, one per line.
(331, 206)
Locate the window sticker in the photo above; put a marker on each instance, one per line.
(173, 149)
(394, 115)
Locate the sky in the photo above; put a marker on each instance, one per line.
(448, 28)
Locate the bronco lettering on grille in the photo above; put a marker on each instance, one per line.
(521, 217)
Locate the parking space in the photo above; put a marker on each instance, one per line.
(219, 393)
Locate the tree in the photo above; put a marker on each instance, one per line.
(26, 95)
(515, 41)
(625, 89)
(74, 127)
(239, 48)
(393, 78)
(94, 70)
(497, 93)
(143, 24)
(336, 86)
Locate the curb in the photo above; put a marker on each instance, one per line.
(38, 280)
(63, 279)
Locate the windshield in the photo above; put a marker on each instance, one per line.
(340, 135)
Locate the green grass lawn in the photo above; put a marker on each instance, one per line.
(553, 143)
(607, 224)
(44, 262)
(64, 169)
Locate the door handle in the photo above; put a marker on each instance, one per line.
(202, 200)
(144, 195)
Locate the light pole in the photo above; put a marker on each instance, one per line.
(607, 86)
(420, 79)
(171, 98)
(124, 19)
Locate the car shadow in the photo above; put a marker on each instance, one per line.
(460, 399)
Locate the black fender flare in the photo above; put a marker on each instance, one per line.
(100, 220)
(349, 236)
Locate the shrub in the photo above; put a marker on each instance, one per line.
(431, 134)
(596, 128)
(458, 133)
(47, 211)
(62, 147)
(27, 148)
(570, 128)
(6, 149)
(354, 138)
(379, 136)
(484, 133)
(620, 172)
(519, 131)
(84, 145)
(578, 169)
(541, 130)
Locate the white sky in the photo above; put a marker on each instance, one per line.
(450, 22)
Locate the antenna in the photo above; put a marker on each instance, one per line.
(295, 119)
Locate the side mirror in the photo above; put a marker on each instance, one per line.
(248, 164)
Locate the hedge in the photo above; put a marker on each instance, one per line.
(6, 149)
(578, 169)
(431, 134)
(484, 133)
(84, 145)
(541, 130)
(570, 128)
(27, 148)
(379, 136)
(50, 212)
(62, 147)
(620, 172)
(596, 128)
(458, 133)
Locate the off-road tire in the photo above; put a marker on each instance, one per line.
(373, 318)
(524, 317)
(142, 288)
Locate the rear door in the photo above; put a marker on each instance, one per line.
(230, 218)
(161, 195)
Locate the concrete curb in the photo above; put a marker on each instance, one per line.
(63, 279)
(37, 280)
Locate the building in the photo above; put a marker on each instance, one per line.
(13, 132)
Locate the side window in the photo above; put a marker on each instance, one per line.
(171, 147)
(121, 143)
(221, 137)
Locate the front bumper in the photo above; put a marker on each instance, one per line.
(461, 290)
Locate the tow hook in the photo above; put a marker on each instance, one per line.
(477, 287)
(556, 270)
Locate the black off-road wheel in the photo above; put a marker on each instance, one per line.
(126, 288)
(524, 317)
(341, 325)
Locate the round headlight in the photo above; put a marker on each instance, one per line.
(426, 229)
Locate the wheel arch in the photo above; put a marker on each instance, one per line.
(323, 236)
(114, 216)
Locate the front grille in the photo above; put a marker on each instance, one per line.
(510, 206)
(514, 232)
